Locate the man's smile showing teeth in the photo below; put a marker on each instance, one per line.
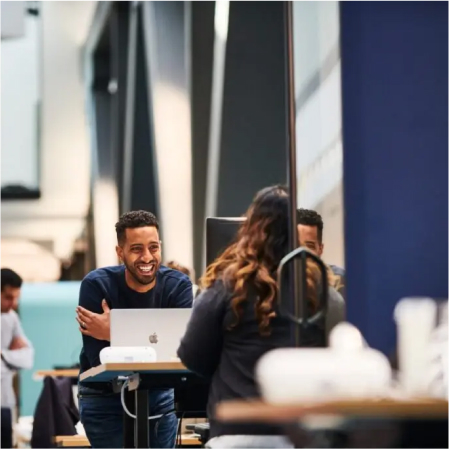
(146, 269)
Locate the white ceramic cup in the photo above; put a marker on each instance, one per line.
(415, 320)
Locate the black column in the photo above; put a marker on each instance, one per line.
(144, 179)
(202, 43)
(253, 134)
(119, 24)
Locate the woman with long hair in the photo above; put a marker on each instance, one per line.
(236, 318)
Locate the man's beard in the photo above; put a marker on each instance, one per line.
(139, 278)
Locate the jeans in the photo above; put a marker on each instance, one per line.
(249, 441)
(102, 418)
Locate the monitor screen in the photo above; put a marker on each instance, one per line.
(220, 233)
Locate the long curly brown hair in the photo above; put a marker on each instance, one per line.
(252, 260)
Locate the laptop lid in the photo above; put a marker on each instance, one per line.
(161, 329)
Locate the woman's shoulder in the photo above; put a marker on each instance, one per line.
(216, 293)
(336, 309)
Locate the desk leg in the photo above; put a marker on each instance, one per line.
(129, 423)
(142, 426)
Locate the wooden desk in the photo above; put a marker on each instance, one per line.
(110, 371)
(190, 440)
(73, 373)
(350, 423)
(258, 411)
(82, 441)
(71, 441)
(151, 375)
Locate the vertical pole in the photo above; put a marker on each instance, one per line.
(142, 424)
(128, 422)
(294, 272)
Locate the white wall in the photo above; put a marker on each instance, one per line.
(12, 19)
(59, 215)
(21, 59)
(171, 126)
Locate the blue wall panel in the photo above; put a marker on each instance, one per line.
(395, 131)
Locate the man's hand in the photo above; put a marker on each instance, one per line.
(18, 343)
(96, 325)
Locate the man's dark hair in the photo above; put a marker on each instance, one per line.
(309, 217)
(10, 278)
(132, 220)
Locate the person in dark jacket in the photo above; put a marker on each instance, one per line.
(236, 319)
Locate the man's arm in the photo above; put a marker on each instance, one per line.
(182, 296)
(20, 354)
(90, 298)
(201, 346)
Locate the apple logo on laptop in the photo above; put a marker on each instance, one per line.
(153, 338)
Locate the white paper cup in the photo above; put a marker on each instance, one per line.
(415, 320)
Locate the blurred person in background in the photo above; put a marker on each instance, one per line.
(177, 266)
(236, 318)
(141, 282)
(310, 235)
(16, 350)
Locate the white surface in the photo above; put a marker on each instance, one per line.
(12, 19)
(319, 147)
(59, 215)
(346, 337)
(171, 121)
(415, 320)
(123, 354)
(292, 375)
(316, 32)
(436, 374)
(17, 253)
(20, 84)
(134, 327)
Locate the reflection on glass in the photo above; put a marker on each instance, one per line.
(318, 119)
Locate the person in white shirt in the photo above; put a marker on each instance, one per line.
(16, 350)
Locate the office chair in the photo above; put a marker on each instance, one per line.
(220, 233)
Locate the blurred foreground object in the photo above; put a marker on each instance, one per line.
(292, 375)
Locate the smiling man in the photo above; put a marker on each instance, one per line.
(141, 282)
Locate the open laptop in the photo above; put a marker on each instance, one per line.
(161, 329)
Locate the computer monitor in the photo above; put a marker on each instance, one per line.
(220, 233)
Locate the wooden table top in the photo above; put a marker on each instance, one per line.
(72, 441)
(100, 373)
(40, 374)
(82, 441)
(258, 411)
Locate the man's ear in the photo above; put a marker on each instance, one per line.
(321, 249)
(119, 251)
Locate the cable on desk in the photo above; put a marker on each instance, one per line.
(122, 397)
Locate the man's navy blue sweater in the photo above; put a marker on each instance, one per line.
(173, 289)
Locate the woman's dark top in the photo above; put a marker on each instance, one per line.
(229, 356)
